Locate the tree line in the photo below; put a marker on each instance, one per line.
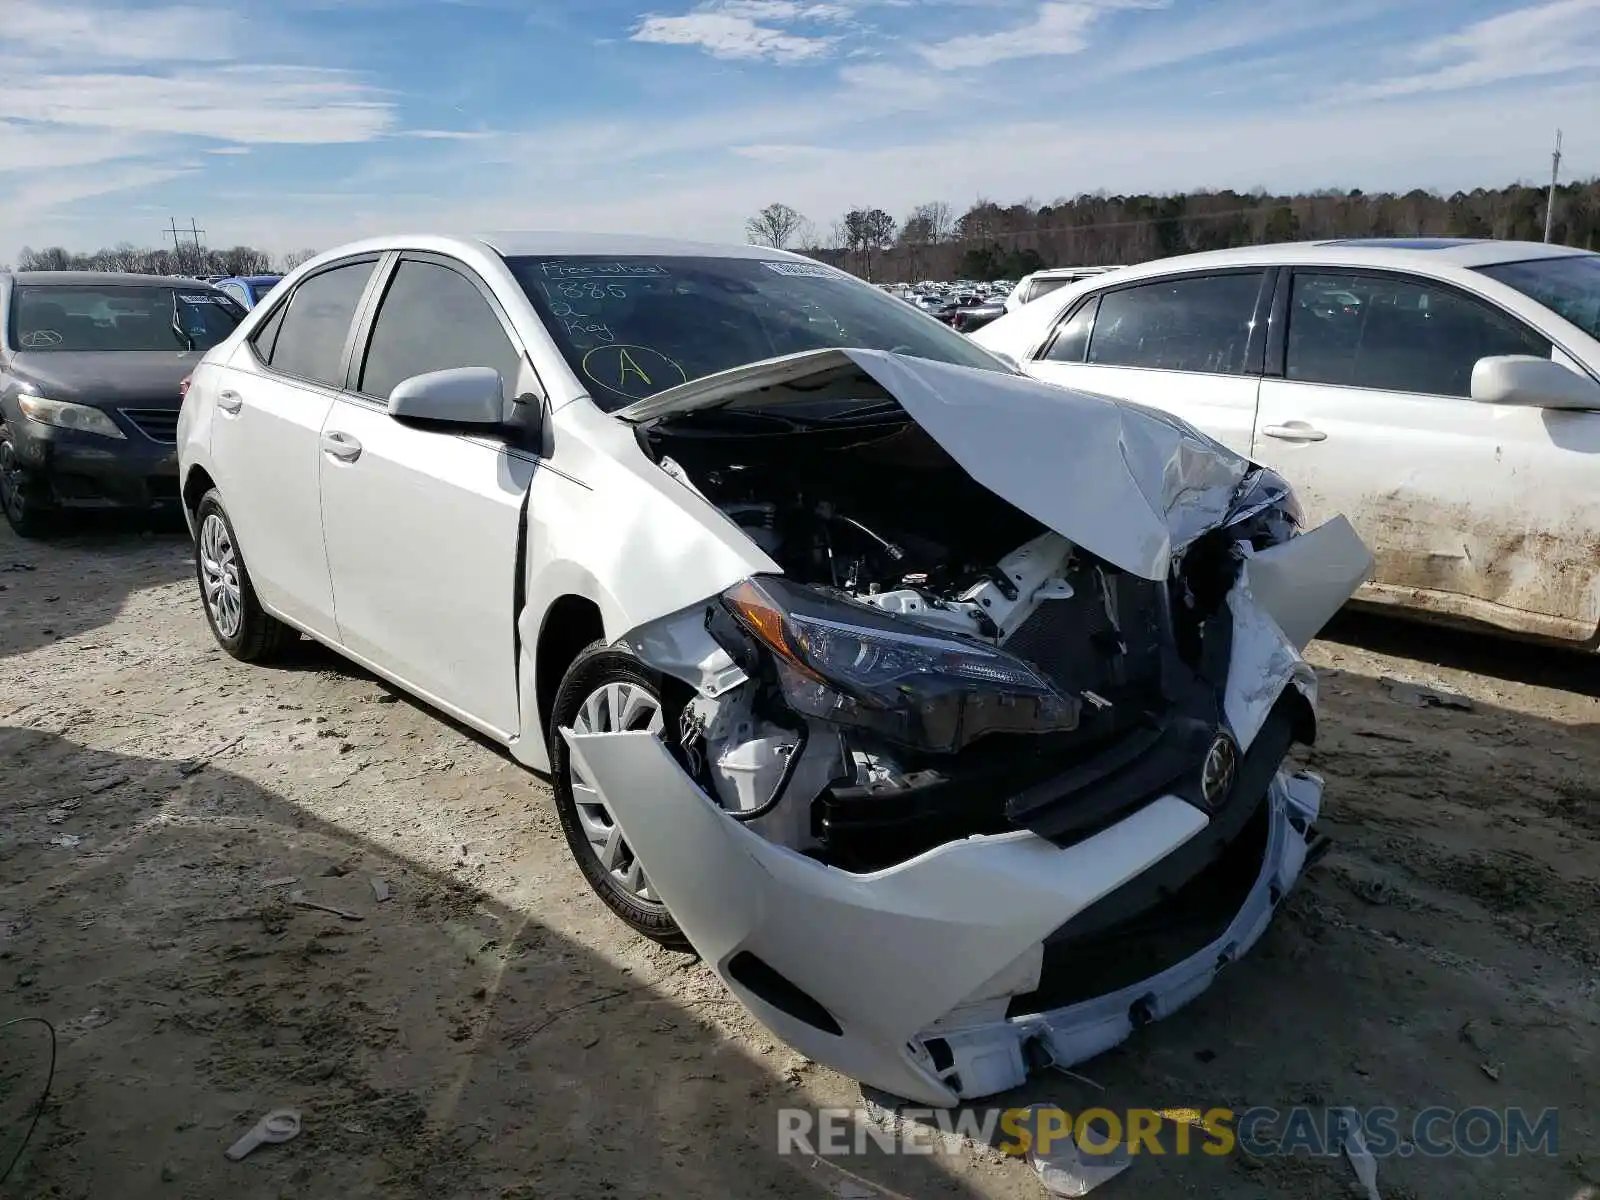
(190, 261)
(1006, 241)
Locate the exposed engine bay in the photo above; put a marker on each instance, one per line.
(934, 663)
(979, 765)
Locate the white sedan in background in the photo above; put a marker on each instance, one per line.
(914, 694)
(1442, 393)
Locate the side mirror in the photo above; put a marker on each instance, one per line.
(459, 396)
(1521, 379)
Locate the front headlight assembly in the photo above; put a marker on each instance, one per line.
(65, 415)
(849, 664)
(1265, 512)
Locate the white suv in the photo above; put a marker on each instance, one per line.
(1443, 393)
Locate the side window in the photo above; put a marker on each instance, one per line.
(1200, 323)
(311, 339)
(236, 291)
(1073, 340)
(433, 319)
(1043, 287)
(266, 337)
(1395, 334)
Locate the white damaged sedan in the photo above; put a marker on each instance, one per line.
(943, 712)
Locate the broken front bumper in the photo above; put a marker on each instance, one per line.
(901, 978)
(949, 976)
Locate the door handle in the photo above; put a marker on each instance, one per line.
(341, 446)
(1295, 431)
(229, 401)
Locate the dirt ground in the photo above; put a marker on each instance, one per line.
(491, 1031)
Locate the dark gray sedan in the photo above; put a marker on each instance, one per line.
(92, 366)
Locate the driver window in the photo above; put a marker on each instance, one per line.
(434, 319)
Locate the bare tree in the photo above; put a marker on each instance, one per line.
(776, 225)
(293, 258)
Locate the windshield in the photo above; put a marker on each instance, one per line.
(1569, 287)
(118, 317)
(632, 327)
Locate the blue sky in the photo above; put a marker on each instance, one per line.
(302, 123)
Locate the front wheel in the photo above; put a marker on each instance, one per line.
(607, 690)
(24, 497)
(241, 626)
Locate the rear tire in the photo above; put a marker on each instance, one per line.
(241, 626)
(24, 496)
(608, 690)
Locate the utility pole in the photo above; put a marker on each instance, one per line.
(1550, 202)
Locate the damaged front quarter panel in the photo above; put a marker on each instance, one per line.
(908, 978)
(949, 968)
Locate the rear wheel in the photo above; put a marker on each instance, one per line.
(241, 626)
(607, 690)
(23, 495)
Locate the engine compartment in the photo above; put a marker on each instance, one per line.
(935, 548)
(817, 502)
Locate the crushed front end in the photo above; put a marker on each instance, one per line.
(939, 815)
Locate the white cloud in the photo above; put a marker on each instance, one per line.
(177, 33)
(103, 97)
(1058, 27)
(734, 29)
(447, 135)
(1538, 40)
(297, 105)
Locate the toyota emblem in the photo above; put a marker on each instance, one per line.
(1217, 775)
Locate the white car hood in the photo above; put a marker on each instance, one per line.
(1129, 484)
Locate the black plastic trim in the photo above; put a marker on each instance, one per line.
(768, 985)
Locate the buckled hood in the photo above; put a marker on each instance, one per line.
(1129, 484)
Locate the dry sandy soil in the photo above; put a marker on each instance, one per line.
(490, 1030)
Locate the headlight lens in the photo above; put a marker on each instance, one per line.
(1266, 505)
(64, 415)
(846, 663)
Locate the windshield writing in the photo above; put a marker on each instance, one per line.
(632, 327)
(70, 317)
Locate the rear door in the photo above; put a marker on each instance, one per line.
(1476, 511)
(424, 524)
(271, 403)
(1187, 344)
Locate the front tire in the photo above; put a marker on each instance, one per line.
(23, 495)
(241, 626)
(607, 690)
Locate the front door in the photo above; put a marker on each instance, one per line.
(423, 524)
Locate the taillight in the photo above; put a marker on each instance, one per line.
(183, 388)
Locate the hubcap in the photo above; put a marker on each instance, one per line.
(614, 708)
(219, 576)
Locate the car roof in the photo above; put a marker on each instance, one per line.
(246, 278)
(1052, 272)
(119, 278)
(1417, 254)
(518, 243)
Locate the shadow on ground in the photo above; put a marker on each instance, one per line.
(1444, 953)
(1476, 651)
(443, 1045)
(110, 560)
